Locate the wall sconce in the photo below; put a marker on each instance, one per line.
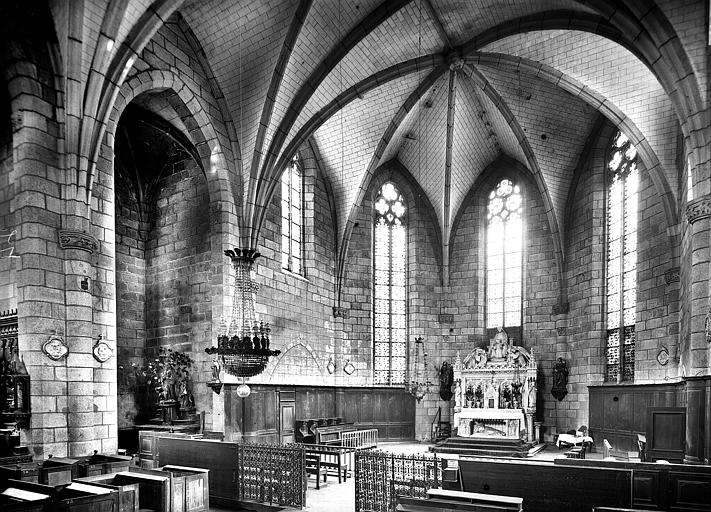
(331, 366)
(348, 368)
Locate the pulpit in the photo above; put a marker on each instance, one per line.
(495, 395)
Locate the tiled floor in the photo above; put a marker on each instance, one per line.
(335, 497)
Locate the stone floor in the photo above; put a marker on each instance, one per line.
(335, 497)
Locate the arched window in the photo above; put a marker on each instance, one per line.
(504, 258)
(390, 287)
(621, 259)
(292, 217)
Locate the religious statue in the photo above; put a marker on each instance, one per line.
(560, 379)
(215, 370)
(518, 356)
(446, 379)
(499, 347)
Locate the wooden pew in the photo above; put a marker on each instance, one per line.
(447, 501)
(660, 486)
(547, 487)
(500, 502)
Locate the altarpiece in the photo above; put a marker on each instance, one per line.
(495, 395)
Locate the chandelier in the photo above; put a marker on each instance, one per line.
(243, 345)
(417, 383)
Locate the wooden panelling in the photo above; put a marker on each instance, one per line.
(673, 487)
(619, 412)
(666, 433)
(390, 410)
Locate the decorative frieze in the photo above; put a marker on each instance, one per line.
(74, 239)
(699, 209)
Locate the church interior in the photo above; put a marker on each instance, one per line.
(482, 227)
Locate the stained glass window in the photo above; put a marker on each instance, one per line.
(390, 288)
(292, 217)
(621, 259)
(504, 244)
(689, 182)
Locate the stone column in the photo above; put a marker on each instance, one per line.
(80, 336)
(698, 213)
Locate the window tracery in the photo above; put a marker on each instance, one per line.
(390, 287)
(621, 259)
(504, 258)
(292, 217)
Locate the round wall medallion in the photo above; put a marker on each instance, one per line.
(55, 348)
(101, 350)
(663, 356)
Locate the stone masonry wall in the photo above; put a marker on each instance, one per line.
(8, 265)
(178, 301)
(300, 306)
(131, 235)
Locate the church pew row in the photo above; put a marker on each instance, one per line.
(657, 486)
(546, 487)
(583, 484)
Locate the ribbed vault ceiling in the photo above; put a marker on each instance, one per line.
(343, 74)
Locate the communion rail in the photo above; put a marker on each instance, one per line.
(381, 477)
(360, 439)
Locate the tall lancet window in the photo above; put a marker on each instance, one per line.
(390, 287)
(621, 259)
(292, 217)
(504, 258)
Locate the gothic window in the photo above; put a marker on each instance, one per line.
(504, 257)
(390, 287)
(621, 259)
(689, 183)
(292, 217)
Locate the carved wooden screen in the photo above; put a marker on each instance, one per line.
(390, 289)
(621, 259)
(292, 217)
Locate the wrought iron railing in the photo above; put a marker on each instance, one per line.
(271, 474)
(382, 477)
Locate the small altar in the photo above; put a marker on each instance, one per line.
(495, 395)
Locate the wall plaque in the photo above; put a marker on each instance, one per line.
(55, 348)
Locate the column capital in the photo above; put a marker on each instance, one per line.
(699, 209)
(74, 239)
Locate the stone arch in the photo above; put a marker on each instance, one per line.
(641, 29)
(606, 108)
(205, 137)
(488, 178)
(298, 358)
(414, 195)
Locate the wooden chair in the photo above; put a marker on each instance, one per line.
(313, 467)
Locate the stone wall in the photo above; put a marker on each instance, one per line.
(8, 260)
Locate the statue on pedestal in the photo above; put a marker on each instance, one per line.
(560, 379)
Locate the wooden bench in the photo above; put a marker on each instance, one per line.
(313, 467)
(445, 500)
(501, 502)
(333, 458)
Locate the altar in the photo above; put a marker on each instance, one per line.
(495, 395)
